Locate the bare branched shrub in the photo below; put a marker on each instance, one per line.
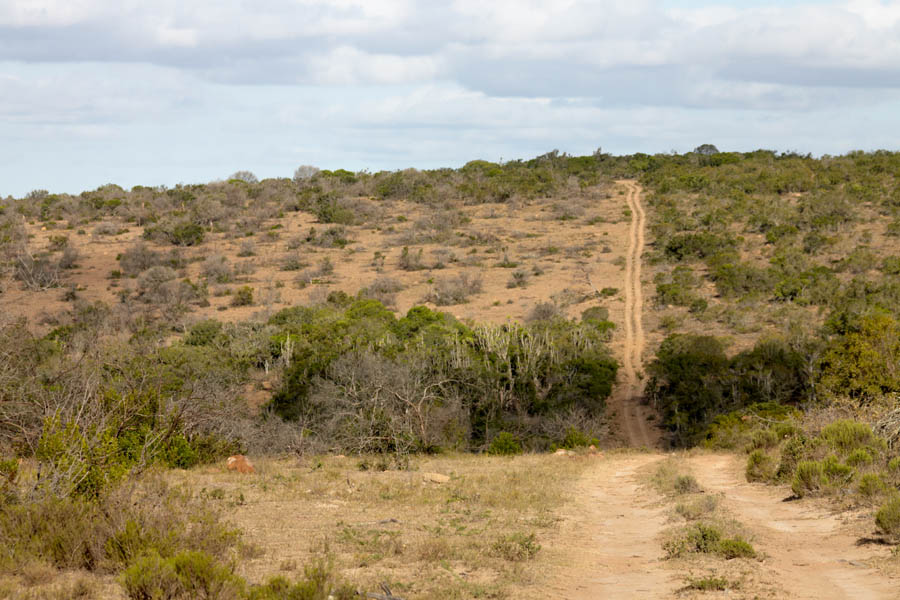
(304, 173)
(69, 257)
(106, 229)
(138, 258)
(543, 311)
(383, 289)
(217, 268)
(36, 273)
(151, 282)
(371, 404)
(247, 248)
(454, 290)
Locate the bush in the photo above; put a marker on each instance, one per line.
(243, 296)
(185, 575)
(809, 477)
(519, 279)
(454, 290)
(699, 537)
(179, 233)
(108, 533)
(735, 548)
(505, 444)
(859, 457)
(575, 438)
(760, 466)
(516, 547)
(888, 517)
(36, 273)
(217, 268)
(871, 485)
(697, 508)
(686, 484)
(411, 261)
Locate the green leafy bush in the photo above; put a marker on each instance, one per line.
(243, 296)
(760, 466)
(505, 444)
(185, 575)
(809, 477)
(888, 517)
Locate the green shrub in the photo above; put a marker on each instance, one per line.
(204, 333)
(243, 296)
(792, 452)
(809, 477)
(708, 584)
(505, 444)
(697, 538)
(185, 575)
(846, 436)
(735, 548)
(760, 466)
(516, 547)
(836, 473)
(871, 485)
(575, 438)
(859, 457)
(763, 438)
(108, 533)
(888, 517)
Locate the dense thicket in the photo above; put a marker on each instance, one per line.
(776, 235)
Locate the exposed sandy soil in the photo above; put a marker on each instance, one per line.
(607, 545)
(633, 421)
(609, 542)
(558, 243)
(811, 553)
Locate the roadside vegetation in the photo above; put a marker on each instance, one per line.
(777, 306)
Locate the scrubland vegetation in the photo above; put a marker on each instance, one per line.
(777, 281)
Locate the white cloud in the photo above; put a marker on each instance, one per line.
(178, 87)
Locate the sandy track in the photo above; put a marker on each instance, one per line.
(607, 545)
(812, 554)
(632, 418)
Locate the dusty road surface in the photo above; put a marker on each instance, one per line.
(633, 422)
(607, 544)
(811, 553)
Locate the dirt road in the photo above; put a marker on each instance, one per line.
(609, 544)
(633, 421)
(811, 553)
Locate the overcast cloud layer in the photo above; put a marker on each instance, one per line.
(171, 91)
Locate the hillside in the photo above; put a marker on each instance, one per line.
(362, 335)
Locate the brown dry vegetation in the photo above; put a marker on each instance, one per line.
(542, 238)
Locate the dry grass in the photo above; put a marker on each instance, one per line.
(704, 542)
(473, 536)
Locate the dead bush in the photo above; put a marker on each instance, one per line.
(217, 268)
(383, 289)
(371, 404)
(138, 258)
(543, 311)
(36, 273)
(454, 290)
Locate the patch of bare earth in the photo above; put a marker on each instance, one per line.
(607, 545)
(810, 552)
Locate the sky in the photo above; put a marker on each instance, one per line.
(185, 91)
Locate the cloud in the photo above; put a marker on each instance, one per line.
(194, 90)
